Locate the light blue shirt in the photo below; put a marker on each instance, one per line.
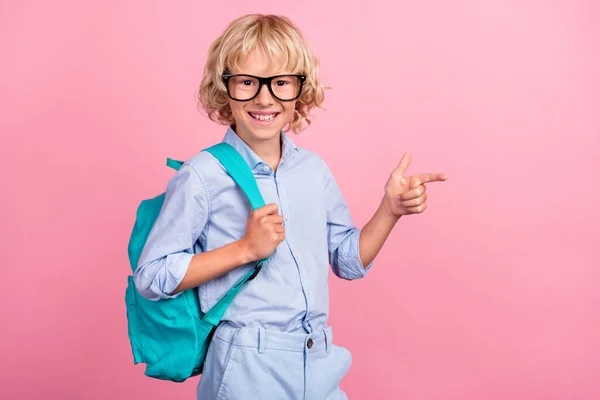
(204, 209)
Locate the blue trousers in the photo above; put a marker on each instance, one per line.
(254, 363)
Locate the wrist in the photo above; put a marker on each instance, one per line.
(244, 253)
(386, 210)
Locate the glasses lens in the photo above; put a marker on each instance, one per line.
(286, 87)
(244, 87)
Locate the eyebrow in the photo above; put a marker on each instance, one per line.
(261, 76)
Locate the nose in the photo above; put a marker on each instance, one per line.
(264, 96)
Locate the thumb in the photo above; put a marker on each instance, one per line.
(404, 163)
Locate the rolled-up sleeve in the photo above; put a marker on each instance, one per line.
(170, 245)
(343, 236)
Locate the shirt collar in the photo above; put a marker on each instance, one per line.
(289, 149)
(252, 159)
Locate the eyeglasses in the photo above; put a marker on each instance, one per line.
(242, 87)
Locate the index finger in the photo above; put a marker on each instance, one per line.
(424, 178)
(267, 209)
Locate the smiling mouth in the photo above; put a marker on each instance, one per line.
(263, 117)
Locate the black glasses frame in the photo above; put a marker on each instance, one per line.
(264, 81)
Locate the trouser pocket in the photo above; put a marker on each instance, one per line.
(250, 374)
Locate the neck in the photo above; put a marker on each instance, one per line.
(268, 150)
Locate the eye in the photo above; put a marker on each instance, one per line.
(282, 82)
(246, 82)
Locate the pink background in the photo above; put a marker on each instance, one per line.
(491, 294)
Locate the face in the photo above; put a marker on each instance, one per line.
(262, 118)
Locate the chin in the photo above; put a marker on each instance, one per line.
(265, 134)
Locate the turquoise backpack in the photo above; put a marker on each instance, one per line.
(171, 336)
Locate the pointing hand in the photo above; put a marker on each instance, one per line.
(406, 195)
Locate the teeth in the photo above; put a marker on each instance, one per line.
(263, 117)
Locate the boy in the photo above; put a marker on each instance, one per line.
(261, 80)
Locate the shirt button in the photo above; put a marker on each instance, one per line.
(309, 343)
(266, 168)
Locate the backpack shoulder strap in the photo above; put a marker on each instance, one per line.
(241, 173)
(239, 170)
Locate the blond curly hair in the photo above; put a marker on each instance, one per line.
(279, 39)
